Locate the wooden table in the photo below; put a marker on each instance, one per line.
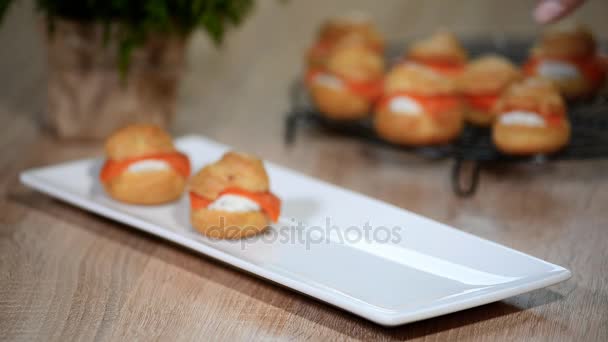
(66, 274)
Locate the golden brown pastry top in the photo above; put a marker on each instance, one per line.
(489, 74)
(534, 94)
(565, 42)
(419, 79)
(443, 46)
(138, 140)
(355, 61)
(234, 169)
(352, 25)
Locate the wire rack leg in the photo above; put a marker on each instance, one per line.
(291, 123)
(465, 177)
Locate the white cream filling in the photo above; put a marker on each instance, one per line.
(329, 81)
(522, 118)
(148, 165)
(233, 203)
(405, 106)
(557, 70)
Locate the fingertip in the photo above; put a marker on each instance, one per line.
(548, 11)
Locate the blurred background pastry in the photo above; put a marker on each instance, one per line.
(353, 26)
(143, 166)
(481, 84)
(568, 56)
(441, 52)
(531, 119)
(350, 82)
(419, 107)
(231, 198)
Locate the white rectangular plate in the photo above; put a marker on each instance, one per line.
(427, 269)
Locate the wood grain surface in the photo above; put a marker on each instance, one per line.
(69, 275)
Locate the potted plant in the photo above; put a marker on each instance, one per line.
(115, 62)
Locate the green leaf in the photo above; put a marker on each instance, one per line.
(125, 50)
(4, 4)
(136, 20)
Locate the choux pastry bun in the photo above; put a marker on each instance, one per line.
(481, 84)
(231, 199)
(143, 167)
(568, 56)
(353, 27)
(441, 52)
(349, 84)
(531, 119)
(419, 107)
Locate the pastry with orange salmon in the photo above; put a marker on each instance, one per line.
(349, 84)
(531, 119)
(568, 56)
(419, 107)
(481, 84)
(441, 52)
(231, 198)
(351, 27)
(143, 166)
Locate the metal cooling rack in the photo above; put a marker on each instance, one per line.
(474, 148)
